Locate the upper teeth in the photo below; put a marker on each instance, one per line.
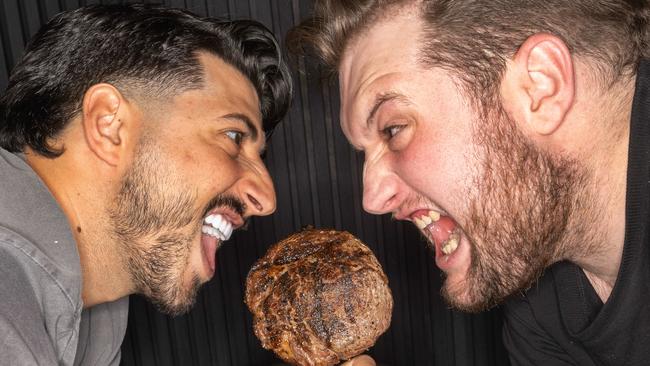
(426, 220)
(217, 226)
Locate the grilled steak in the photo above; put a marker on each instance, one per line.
(318, 297)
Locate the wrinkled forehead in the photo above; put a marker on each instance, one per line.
(387, 48)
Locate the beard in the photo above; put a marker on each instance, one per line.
(520, 210)
(147, 211)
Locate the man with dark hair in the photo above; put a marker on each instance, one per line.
(515, 135)
(131, 140)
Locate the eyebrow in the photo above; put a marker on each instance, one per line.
(380, 99)
(252, 129)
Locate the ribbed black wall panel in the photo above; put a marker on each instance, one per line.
(318, 182)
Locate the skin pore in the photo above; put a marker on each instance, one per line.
(520, 183)
(138, 178)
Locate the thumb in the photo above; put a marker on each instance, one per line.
(362, 360)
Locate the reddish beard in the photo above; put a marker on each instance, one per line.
(518, 213)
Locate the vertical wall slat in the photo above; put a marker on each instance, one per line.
(4, 67)
(12, 31)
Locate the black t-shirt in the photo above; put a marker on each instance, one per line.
(561, 320)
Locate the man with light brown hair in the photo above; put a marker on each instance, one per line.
(515, 135)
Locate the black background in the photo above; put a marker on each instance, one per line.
(318, 182)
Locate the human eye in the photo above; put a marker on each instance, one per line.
(392, 130)
(236, 136)
(397, 134)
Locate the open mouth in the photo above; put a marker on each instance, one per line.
(218, 226)
(440, 229)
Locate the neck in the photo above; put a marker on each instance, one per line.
(104, 277)
(599, 220)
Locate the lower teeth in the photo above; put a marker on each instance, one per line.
(451, 244)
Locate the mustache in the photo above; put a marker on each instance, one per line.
(230, 201)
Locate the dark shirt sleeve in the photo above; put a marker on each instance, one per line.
(527, 342)
(23, 337)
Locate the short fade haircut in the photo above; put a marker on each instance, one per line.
(473, 39)
(149, 50)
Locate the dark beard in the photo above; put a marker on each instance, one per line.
(142, 213)
(518, 215)
(158, 272)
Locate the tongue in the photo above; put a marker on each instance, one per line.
(210, 249)
(441, 229)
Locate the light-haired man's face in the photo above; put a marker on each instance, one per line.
(196, 176)
(493, 207)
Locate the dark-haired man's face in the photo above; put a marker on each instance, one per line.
(492, 206)
(196, 176)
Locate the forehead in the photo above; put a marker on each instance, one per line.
(227, 86)
(381, 55)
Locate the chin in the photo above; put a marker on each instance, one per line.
(464, 302)
(176, 309)
(176, 300)
(461, 295)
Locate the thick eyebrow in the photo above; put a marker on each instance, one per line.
(252, 129)
(379, 100)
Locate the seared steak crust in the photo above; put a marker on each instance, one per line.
(318, 297)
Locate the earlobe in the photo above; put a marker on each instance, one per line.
(547, 82)
(103, 122)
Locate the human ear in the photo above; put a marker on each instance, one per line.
(102, 122)
(539, 84)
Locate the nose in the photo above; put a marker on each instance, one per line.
(381, 187)
(257, 191)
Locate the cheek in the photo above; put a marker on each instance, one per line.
(424, 164)
(220, 175)
(417, 166)
(209, 168)
(439, 167)
(190, 160)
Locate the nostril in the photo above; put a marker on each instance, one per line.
(255, 203)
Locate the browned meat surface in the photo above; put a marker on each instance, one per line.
(318, 297)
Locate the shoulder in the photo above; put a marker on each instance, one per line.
(37, 270)
(23, 338)
(39, 315)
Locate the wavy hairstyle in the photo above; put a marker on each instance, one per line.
(147, 49)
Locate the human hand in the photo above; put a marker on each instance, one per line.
(362, 360)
